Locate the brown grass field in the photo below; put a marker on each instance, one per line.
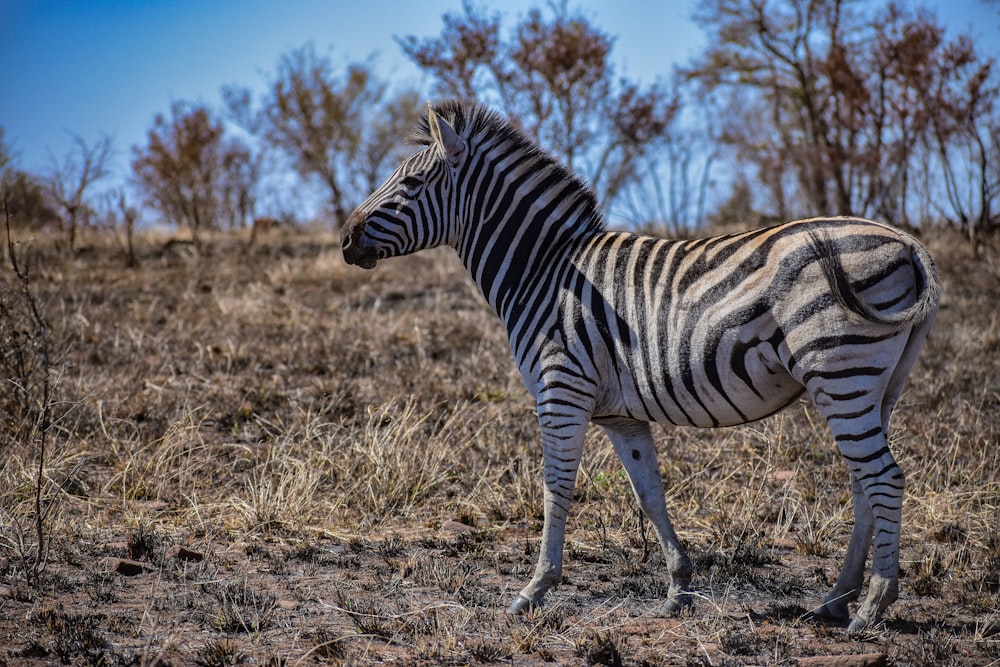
(353, 456)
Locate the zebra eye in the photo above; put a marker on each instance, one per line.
(411, 182)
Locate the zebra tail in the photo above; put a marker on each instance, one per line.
(928, 286)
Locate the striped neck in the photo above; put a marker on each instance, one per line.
(521, 212)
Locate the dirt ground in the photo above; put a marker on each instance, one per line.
(261, 456)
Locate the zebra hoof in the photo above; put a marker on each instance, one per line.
(520, 606)
(859, 626)
(677, 604)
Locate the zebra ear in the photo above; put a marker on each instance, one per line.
(445, 137)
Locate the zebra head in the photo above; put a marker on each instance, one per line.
(411, 210)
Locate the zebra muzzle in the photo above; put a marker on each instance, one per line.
(354, 250)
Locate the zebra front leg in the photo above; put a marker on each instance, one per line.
(852, 574)
(562, 447)
(633, 443)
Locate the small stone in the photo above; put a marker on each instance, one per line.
(179, 552)
(152, 506)
(456, 527)
(123, 566)
(784, 543)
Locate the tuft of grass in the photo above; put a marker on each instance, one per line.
(76, 637)
(279, 493)
(103, 588)
(391, 547)
(529, 633)
(488, 649)
(328, 645)
(144, 543)
(220, 653)
(448, 575)
(392, 466)
(242, 607)
(936, 647)
(371, 617)
(602, 648)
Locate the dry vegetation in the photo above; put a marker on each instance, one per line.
(354, 456)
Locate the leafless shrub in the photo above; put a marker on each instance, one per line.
(29, 413)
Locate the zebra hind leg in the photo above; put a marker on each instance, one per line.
(883, 484)
(634, 445)
(883, 489)
(877, 488)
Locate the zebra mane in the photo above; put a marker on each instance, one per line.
(472, 119)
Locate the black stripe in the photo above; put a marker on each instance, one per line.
(541, 304)
(858, 437)
(889, 303)
(865, 459)
(843, 374)
(851, 415)
(514, 222)
(887, 270)
(666, 273)
(849, 396)
(824, 343)
(879, 473)
(887, 484)
(740, 350)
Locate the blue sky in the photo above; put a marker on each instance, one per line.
(108, 67)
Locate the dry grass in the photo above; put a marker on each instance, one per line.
(356, 458)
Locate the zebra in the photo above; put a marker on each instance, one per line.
(623, 330)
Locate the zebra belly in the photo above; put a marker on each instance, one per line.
(757, 388)
(738, 382)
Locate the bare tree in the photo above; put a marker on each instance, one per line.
(383, 143)
(28, 377)
(341, 128)
(192, 173)
(553, 76)
(24, 196)
(836, 104)
(670, 196)
(123, 215)
(965, 126)
(70, 180)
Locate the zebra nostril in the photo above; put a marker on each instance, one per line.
(345, 243)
